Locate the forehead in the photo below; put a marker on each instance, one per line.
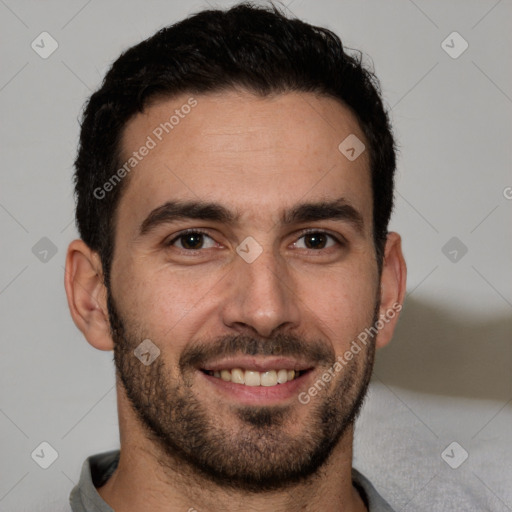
(256, 155)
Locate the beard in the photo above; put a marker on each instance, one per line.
(257, 452)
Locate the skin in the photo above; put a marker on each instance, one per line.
(259, 156)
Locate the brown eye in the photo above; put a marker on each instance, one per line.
(317, 240)
(192, 241)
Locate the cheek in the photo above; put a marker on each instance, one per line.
(342, 303)
(164, 301)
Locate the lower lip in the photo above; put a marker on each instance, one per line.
(261, 395)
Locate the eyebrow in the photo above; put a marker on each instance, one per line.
(172, 211)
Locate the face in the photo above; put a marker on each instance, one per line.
(244, 253)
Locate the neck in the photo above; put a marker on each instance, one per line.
(143, 483)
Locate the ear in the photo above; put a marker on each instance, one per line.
(392, 288)
(87, 294)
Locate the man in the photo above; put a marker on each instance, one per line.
(234, 185)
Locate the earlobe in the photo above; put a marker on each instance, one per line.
(86, 294)
(392, 288)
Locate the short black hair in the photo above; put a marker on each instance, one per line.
(255, 48)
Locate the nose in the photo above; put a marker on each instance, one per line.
(262, 297)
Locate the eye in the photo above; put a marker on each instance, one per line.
(192, 240)
(316, 240)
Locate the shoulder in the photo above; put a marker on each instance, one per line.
(373, 500)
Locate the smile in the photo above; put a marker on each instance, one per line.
(255, 378)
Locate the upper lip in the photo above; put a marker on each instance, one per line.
(258, 364)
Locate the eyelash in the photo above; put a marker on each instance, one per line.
(339, 240)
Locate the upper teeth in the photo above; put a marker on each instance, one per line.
(253, 378)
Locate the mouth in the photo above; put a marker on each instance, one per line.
(261, 381)
(253, 378)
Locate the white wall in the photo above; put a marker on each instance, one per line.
(446, 377)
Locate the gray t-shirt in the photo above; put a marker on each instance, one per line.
(97, 469)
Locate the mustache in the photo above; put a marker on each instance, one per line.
(198, 354)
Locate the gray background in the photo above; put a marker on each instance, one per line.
(446, 376)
